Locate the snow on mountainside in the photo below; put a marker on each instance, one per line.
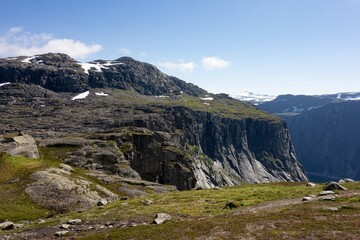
(252, 97)
(302, 103)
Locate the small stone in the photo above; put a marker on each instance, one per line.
(327, 198)
(74, 221)
(61, 233)
(18, 225)
(102, 202)
(41, 221)
(323, 193)
(124, 198)
(161, 218)
(64, 226)
(7, 225)
(66, 167)
(147, 202)
(307, 198)
(310, 184)
(341, 181)
(217, 188)
(333, 209)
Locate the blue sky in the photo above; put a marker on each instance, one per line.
(263, 46)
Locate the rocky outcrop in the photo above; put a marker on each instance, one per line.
(22, 145)
(57, 190)
(60, 73)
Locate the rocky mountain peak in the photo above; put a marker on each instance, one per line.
(60, 73)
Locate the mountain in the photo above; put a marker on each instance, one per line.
(125, 117)
(294, 104)
(253, 98)
(325, 132)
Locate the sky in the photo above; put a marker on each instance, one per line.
(263, 46)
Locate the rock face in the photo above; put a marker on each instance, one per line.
(327, 140)
(23, 145)
(179, 139)
(325, 132)
(55, 189)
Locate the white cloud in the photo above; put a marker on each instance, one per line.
(17, 42)
(125, 51)
(182, 66)
(212, 63)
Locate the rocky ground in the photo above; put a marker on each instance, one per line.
(318, 218)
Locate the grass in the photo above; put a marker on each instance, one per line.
(15, 203)
(198, 203)
(309, 220)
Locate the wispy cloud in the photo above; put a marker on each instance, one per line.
(212, 63)
(181, 66)
(125, 51)
(143, 54)
(17, 42)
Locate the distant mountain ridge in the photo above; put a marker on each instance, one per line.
(300, 103)
(324, 130)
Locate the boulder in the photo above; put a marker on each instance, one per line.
(102, 202)
(6, 225)
(307, 198)
(334, 186)
(62, 192)
(161, 218)
(65, 226)
(132, 192)
(23, 145)
(348, 180)
(310, 184)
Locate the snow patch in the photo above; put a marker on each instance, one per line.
(32, 59)
(101, 94)
(3, 84)
(81, 95)
(252, 97)
(98, 66)
(352, 99)
(207, 98)
(205, 103)
(28, 59)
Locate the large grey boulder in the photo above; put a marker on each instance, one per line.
(23, 145)
(334, 186)
(60, 192)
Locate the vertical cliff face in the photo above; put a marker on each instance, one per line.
(251, 150)
(327, 140)
(211, 150)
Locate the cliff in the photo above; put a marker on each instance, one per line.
(137, 122)
(327, 140)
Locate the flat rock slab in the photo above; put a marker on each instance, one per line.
(323, 193)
